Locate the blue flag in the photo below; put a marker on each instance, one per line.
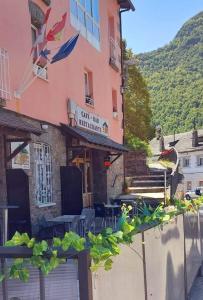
(65, 49)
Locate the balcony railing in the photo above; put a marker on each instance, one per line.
(5, 93)
(40, 72)
(115, 54)
(89, 101)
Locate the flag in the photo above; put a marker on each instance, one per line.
(55, 33)
(44, 53)
(41, 37)
(65, 49)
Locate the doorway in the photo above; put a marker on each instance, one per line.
(18, 195)
(84, 163)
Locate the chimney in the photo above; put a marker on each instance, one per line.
(194, 138)
(161, 144)
(160, 138)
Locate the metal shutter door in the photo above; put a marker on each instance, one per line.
(62, 283)
(25, 291)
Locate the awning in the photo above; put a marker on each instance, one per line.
(93, 138)
(12, 120)
(126, 4)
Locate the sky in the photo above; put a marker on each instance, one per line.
(156, 22)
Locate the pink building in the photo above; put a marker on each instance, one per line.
(60, 124)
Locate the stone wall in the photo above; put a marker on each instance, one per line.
(53, 137)
(115, 178)
(135, 163)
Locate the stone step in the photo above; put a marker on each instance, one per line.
(141, 183)
(147, 189)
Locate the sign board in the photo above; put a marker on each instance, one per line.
(88, 120)
(22, 159)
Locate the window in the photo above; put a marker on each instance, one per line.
(189, 185)
(5, 93)
(85, 17)
(200, 161)
(114, 104)
(88, 83)
(43, 173)
(34, 32)
(186, 162)
(114, 45)
(201, 183)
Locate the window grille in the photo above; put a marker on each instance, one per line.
(5, 93)
(43, 169)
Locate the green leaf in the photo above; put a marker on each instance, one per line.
(108, 264)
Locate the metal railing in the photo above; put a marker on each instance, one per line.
(5, 93)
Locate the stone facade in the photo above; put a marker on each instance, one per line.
(135, 163)
(53, 137)
(115, 178)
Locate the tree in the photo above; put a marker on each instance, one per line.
(137, 112)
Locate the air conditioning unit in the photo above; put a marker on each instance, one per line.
(40, 72)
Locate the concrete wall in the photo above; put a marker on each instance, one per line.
(166, 258)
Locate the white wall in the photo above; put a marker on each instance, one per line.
(193, 172)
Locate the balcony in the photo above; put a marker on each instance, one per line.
(115, 54)
(89, 101)
(40, 71)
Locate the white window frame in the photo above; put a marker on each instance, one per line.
(200, 161)
(5, 90)
(87, 84)
(43, 174)
(36, 33)
(76, 23)
(184, 164)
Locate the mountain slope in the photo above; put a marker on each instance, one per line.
(174, 75)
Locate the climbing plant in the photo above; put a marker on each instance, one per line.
(102, 247)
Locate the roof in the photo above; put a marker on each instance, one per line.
(13, 120)
(183, 145)
(126, 4)
(93, 138)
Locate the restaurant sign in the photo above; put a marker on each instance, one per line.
(88, 120)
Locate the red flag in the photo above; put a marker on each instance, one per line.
(55, 33)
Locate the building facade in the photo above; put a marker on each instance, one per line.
(61, 125)
(190, 153)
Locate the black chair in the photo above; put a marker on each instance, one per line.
(100, 215)
(46, 229)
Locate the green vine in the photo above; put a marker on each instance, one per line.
(102, 247)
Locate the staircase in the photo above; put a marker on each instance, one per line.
(151, 186)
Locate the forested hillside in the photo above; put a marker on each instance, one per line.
(174, 75)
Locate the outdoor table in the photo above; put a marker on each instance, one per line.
(5, 209)
(112, 207)
(67, 219)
